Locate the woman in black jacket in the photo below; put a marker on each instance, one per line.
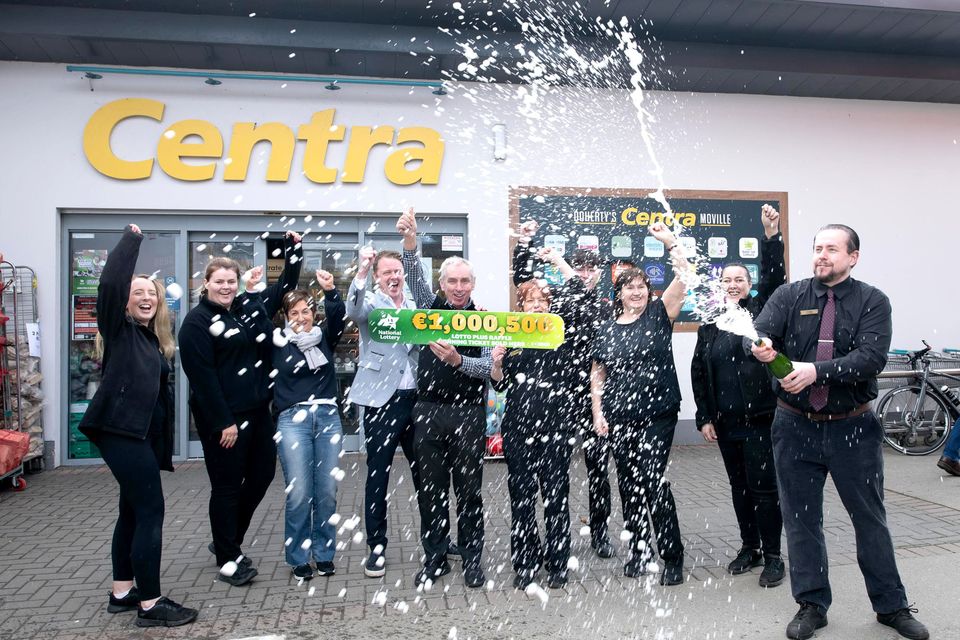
(735, 407)
(225, 348)
(130, 419)
(536, 436)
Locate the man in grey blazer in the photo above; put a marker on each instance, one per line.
(386, 386)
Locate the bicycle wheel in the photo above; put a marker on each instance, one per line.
(908, 430)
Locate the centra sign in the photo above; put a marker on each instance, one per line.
(417, 157)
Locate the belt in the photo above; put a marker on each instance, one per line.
(824, 417)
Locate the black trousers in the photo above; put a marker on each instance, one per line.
(384, 428)
(538, 463)
(753, 486)
(449, 443)
(239, 478)
(850, 451)
(596, 457)
(642, 451)
(138, 534)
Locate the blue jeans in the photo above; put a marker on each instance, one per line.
(952, 448)
(849, 450)
(309, 452)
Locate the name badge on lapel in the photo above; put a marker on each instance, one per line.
(809, 312)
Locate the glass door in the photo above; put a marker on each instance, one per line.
(88, 254)
(203, 246)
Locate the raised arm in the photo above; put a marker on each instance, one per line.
(674, 294)
(523, 257)
(357, 307)
(773, 272)
(416, 280)
(272, 296)
(114, 288)
(333, 308)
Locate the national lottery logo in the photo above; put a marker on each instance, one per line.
(388, 322)
(656, 272)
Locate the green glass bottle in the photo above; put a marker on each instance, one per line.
(780, 366)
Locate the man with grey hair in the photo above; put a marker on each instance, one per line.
(449, 420)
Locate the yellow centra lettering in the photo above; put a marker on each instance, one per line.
(430, 156)
(173, 147)
(96, 137)
(687, 219)
(627, 217)
(246, 135)
(362, 140)
(318, 135)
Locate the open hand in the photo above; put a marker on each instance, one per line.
(446, 353)
(228, 437)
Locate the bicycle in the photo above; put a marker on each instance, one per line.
(917, 416)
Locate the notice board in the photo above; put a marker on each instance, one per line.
(717, 227)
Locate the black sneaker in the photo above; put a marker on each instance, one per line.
(523, 579)
(165, 613)
(557, 580)
(326, 568)
(432, 572)
(746, 559)
(243, 559)
(473, 576)
(672, 574)
(375, 566)
(243, 575)
(906, 625)
(773, 572)
(806, 622)
(129, 602)
(636, 566)
(603, 547)
(303, 571)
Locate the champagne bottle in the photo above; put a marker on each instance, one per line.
(780, 366)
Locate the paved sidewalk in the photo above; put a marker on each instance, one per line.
(55, 569)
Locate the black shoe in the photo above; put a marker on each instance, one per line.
(523, 579)
(636, 566)
(243, 575)
(557, 580)
(304, 571)
(165, 613)
(453, 550)
(906, 625)
(949, 465)
(129, 602)
(243, 560)
(672, 573)
(375, 566)
(326, 568)
(773, 572)
(603, 547)
(432, 572)
(807, 620)
(473, 576)
(746, 559)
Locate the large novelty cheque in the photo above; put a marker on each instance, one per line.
(467, 328)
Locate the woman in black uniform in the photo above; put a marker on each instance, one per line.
(636, 398)
(537, 442)
(225, 348)
(735, 408)
(130, 419)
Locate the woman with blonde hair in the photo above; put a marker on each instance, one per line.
(225, 348)
(130, 419)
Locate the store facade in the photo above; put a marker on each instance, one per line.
(61, 207)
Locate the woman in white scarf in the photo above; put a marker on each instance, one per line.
(305, 395)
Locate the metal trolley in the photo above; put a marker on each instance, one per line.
(19, 371)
